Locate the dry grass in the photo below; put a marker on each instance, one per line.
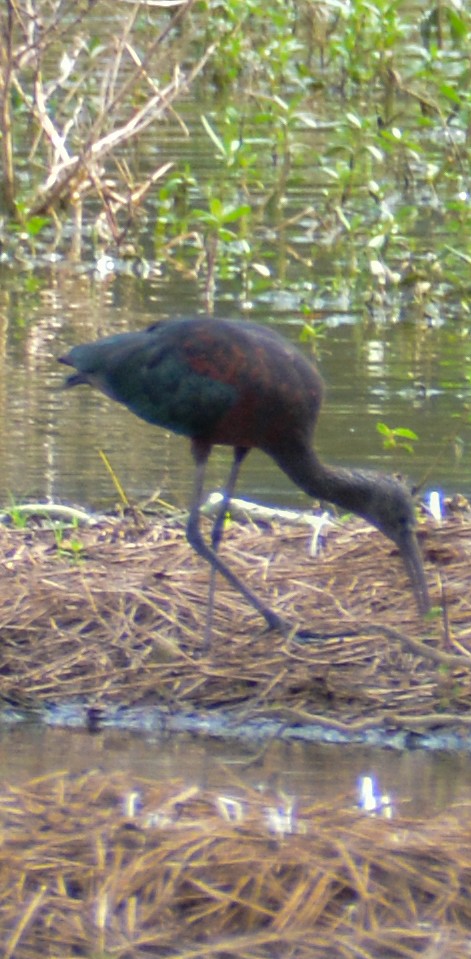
(114, 615)
(98, 867)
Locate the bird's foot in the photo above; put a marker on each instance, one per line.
(304, 636)
(289, 631)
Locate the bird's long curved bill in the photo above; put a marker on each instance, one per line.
(412, 559)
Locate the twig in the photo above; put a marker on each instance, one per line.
(76, 168)
(50, 509)
(419, 647)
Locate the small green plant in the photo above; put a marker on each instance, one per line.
(218, 216)
(68, 545)
(312, 333)
(397, 438)
(219, 241)
(174, 205)
(17, 516)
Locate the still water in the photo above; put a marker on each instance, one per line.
(422, 783)
(49, 439)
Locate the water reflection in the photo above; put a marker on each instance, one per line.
(49, 439)
(423, 783)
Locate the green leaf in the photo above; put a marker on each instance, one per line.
(232, 215)
(404, 433)
(35, 224)
(214, 137)
(450, 93)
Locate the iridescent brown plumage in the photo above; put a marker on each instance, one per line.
(241, 385)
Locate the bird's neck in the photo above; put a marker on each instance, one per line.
(350, 490)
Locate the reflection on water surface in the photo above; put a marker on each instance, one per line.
(49, 439)
(424, 783)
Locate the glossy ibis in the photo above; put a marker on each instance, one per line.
(241, 385)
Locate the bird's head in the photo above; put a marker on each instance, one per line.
(88, 359)
(390, 508)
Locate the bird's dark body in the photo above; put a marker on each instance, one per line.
(241, 385)
(221, 382)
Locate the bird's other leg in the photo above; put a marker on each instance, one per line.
(240, 452)
(201, 453)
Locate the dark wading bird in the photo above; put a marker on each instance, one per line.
(241, 385)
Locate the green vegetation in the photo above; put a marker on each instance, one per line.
(68, 543)
(312, 152)
(398, 437)
(365, 106)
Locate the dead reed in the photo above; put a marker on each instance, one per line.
(97, 866)
(113, 614)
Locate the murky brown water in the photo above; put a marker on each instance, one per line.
(426, 783)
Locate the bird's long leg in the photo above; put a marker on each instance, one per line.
(201, 452)
(240, 452)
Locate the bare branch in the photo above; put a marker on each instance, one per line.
(73, 172)
(86, 101)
